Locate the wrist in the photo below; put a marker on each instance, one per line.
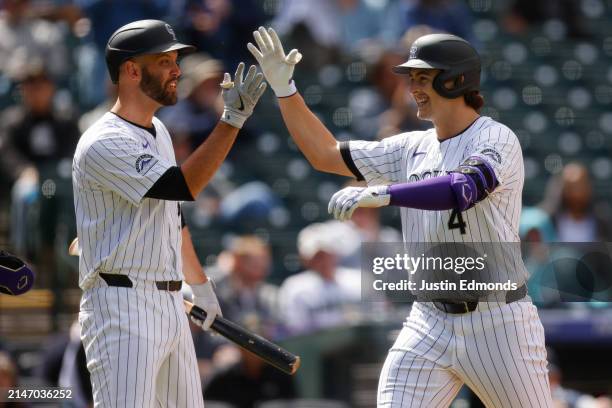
(384, 193)
(233, 118)
(202, 289)
(284, 91)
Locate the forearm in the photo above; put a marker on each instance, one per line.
(433, 194)
(201, 165)
(311, 136)
(192, 268)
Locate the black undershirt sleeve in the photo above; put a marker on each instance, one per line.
(170, 186)
(345, 151)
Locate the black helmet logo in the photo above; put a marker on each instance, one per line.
(413, 52)
(171, 31)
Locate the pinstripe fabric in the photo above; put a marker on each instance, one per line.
(497, 350)
(415, 156)
(139, 347)
(137, 340)
(119, 230)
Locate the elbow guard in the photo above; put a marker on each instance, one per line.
(472, 182)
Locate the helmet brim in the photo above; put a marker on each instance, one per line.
(418, 64)
(173, 46)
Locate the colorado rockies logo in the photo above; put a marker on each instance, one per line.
(142, 162)
(171, 31)
(425, 175)
(413, 52)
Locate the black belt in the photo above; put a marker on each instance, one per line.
(122, 281)
(466, 307)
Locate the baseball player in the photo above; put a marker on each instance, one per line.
(135, 247)
(460, 181)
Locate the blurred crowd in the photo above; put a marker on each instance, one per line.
(54, 84)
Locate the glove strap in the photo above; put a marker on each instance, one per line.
(286, 91)
(233, 118)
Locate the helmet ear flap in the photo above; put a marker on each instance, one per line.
(462, 83)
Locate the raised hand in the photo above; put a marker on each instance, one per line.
(276, 66)
(240, 96)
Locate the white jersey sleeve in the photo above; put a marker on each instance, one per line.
(380, 162)
(120, 163)
(499, 147)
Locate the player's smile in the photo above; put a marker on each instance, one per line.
(171, 86)
(420, 99)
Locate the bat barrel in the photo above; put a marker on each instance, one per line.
(271, 353)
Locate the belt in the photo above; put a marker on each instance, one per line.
(466, 307)
(122, 281)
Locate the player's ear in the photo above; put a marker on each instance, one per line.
(131, 69)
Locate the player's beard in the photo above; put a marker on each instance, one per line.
(152, 86)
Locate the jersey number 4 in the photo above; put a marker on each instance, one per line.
(456, 221)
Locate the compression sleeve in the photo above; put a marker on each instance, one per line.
(171, 186)
(434, 194)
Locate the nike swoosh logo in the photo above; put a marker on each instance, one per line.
(241, 107)
(417, 153)
(145, 145)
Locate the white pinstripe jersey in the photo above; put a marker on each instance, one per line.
(121, 231)
(415, 156)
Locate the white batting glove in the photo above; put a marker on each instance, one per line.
(204, 297)
(277, 67)
(241, 96)
(347, 200)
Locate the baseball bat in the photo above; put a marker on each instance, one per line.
(269, 352)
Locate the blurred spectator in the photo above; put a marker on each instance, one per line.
(537, 231)
(383, 107)
(325, 294)
(361, 22)
(313, 27)
(36, 144)
(64, 365)
(74, 373)
(250, 380)
(222, 28)
(24, 36)
(243, 293)
(558, 272)
(52, 352)
(249, 206)
(88, 118)
(570, 201)
(449, 16)
(564, 397)
(319, 17)
(536, 226)
(195, 115)
(525, 14)
(342, 25)
(103, 18)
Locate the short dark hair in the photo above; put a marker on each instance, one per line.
(474, 100)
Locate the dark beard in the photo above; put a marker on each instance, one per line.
(154, 89)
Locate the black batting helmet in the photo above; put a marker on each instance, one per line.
(139, 38)
(452, 55)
